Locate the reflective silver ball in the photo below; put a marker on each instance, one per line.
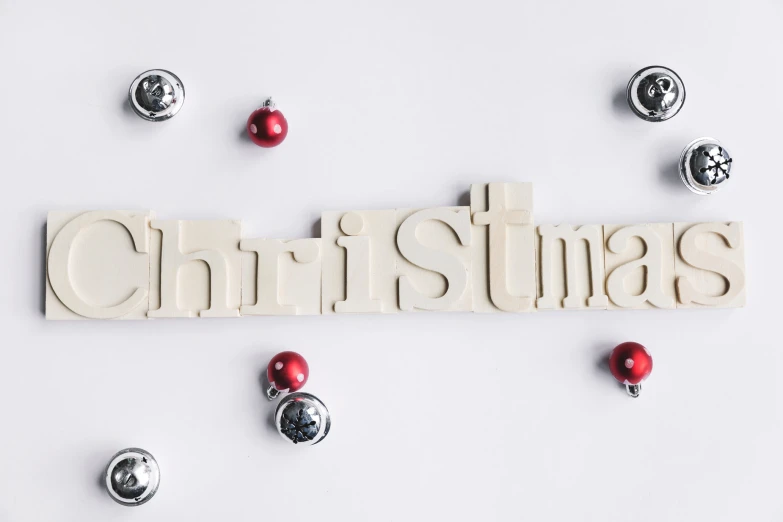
(156, 95)
(132, 477)
(705, 166)
(655, 93)
(302, 418)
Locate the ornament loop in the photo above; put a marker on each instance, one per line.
(272, 392)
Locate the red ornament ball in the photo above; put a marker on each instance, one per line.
(287, 372)
(630, 363)
(267, 127)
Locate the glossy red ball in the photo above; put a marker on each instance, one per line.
(630, 363)
(287, 371)
(267, 127)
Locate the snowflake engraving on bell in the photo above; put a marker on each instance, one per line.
(655, 93)
(302, 419)
(705, 166)
(132, 477)
(156, 95)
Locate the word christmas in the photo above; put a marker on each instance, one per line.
(488, 257)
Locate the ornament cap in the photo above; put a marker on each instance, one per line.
(634, 389)
(269, 103)
(272, 392)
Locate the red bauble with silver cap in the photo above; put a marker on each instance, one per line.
(266, 126)
(631, 363)
(287, 372)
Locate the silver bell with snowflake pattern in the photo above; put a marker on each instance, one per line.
(705, 166)
(132, 477)
(302, 418)
(655, 93)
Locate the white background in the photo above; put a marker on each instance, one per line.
(391, 104)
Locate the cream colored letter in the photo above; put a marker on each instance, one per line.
(499, 217)
(455, 272)
(652, 260)
(60, 253)
(357, 270)
(268, 285)
(701, 259)
(172, 258)
(594, 237)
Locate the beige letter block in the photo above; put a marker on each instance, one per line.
(710, 265)
(97, 265)
(195, 269)
(435, 268)
(504, 280)
(572, 267)
(285, 278)
(358, 262)
(640, 266)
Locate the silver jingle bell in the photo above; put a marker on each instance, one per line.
(705, 165)
(655, 93)
(132, 477)
(156, 95)
(303, 419)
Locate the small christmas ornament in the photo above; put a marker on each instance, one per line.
(267, 126)
(705, 166)
(302, 419)
(287, 372)
(655, 93)
(132, 477)
(631, 363)
(157, 95)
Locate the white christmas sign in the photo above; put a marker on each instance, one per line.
(489, 257)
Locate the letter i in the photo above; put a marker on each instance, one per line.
(357, 268)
